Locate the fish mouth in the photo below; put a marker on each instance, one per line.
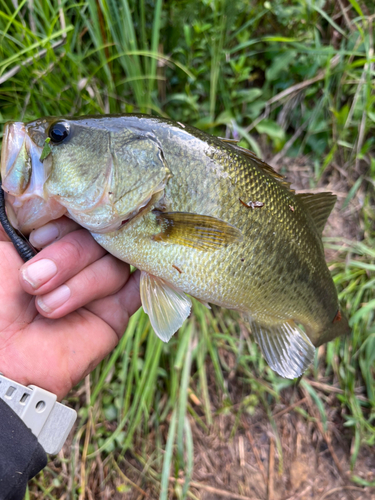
(13, 140)
(23, 179)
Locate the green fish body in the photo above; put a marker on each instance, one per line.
(196, 214)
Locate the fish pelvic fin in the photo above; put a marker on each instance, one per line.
(319, 206)
(287, 349)
(166, 306)
(201, 232)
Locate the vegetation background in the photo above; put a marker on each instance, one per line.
(203, 416)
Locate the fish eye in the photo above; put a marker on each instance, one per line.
(58, 132)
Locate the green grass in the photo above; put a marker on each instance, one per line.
(292, 77)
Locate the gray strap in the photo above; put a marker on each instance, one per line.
(49, 420)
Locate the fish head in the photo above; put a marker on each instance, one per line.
(23, 177)
(99, 171)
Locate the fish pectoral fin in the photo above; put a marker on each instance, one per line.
(285, 346)
(166, 307)
(202, 232)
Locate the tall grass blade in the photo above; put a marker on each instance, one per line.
(168, 457)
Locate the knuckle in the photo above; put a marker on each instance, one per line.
(91, 279)
(67, 226)
(71, 251)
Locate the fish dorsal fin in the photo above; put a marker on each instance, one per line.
(197, 231)
(166, 307)
(229, 141)
(285, 346)
(252, 157)
(319, 206)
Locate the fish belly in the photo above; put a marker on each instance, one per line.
(252, 276)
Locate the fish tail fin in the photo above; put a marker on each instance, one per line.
(339, 326)
(286, 348)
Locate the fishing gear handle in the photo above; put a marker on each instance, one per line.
(25, 250)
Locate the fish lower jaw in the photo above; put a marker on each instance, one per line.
(33, 213)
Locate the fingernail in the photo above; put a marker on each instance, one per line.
(44, 235)
(39, 272)
(55, 299)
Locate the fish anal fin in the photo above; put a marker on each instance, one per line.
(286, 348)
(197, 231)
(319, 206)
(166, 306)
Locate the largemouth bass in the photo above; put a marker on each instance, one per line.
(198, 215)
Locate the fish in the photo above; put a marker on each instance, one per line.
(198, 215)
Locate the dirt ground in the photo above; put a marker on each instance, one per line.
(250, 459)
(250, 465)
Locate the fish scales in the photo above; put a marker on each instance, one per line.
(198, 216)
(223, 279)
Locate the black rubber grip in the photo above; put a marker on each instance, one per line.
(23, 247)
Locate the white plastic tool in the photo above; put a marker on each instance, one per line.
(49, 420)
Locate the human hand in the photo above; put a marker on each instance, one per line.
(61, 316)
